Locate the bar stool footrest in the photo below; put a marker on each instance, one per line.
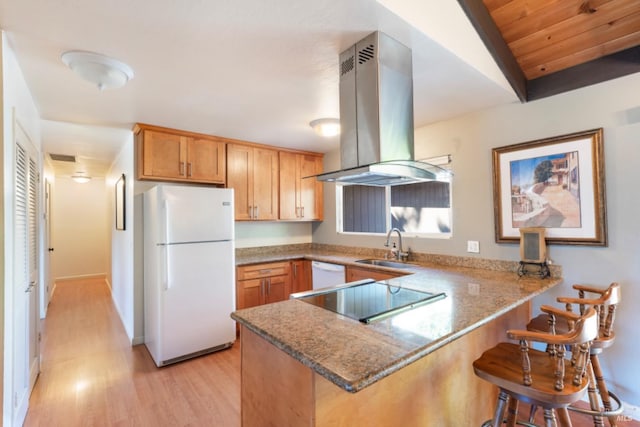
(520, 423)
(613, 412)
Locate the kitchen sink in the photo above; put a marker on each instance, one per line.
(384, 263)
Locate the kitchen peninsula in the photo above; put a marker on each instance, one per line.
(304, 365)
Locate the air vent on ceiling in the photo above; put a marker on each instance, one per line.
(62, 158)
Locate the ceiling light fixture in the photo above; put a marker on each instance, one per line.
(326, 126)
(102, 71)
(81, 179)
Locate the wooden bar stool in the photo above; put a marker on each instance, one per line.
(538, 377)
(605, 305)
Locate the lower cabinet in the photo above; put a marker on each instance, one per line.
(262, 284)
(300, 275)
(359, 273)
(259, 284)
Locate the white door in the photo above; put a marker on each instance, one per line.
(25, 291)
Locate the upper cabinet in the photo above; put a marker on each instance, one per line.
(252, 172)
(269, 183)
(170, 155)
(300, 196)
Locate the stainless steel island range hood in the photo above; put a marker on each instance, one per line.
(376, 116)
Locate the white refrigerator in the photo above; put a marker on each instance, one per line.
(189, 271)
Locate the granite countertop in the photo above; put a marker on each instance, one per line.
(354, 355)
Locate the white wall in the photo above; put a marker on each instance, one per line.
(79, 233)
(613, 105)
(252, 234)
(121, 260)
(16, 99)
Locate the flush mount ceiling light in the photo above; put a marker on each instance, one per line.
(81, 179)
(102, 71)
(326, 127)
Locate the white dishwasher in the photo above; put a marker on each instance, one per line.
(324, 274)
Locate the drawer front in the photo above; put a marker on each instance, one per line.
(262, 270)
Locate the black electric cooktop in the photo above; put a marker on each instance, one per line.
(371, 300)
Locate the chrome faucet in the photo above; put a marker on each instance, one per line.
(400, 254)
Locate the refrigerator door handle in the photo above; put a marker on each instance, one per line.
(167, 272)
(167, 221)
(165, 252)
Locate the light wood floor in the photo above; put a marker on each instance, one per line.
(91, 376)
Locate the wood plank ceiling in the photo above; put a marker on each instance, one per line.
(546, 47)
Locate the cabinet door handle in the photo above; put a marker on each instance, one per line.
(189, 169)
(269, 288)
(250, 209)
(295, 270)
(181, 168)
(261, 288)
(256, 212)
(301, 211)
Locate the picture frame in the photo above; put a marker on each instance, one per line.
(120, 203)
(556, 183)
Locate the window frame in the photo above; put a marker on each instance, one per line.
(444, 162)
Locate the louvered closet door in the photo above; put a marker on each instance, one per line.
(25, 330)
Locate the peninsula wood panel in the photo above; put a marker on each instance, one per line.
(276, 389)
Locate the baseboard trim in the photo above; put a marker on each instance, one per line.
(99, 276)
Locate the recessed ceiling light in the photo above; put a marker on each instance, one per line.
(102, 71)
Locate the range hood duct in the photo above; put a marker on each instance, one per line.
(376, 116)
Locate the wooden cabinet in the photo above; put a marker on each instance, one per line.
(360, 273)
(253, 174)
(300, 275)
(170, 155)
(268, 184)
(300, 197)
(262, 284)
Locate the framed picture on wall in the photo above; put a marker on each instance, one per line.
(555, 183)
(120, 205)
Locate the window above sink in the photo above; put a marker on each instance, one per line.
(419, 210)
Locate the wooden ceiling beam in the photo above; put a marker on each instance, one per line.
(608, 67)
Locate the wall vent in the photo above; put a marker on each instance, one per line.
(63, 157)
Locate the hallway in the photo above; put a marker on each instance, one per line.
(91, 376)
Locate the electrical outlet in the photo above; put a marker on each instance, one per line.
(474, 289)
(473, 246)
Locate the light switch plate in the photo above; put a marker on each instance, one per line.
(473, 246)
